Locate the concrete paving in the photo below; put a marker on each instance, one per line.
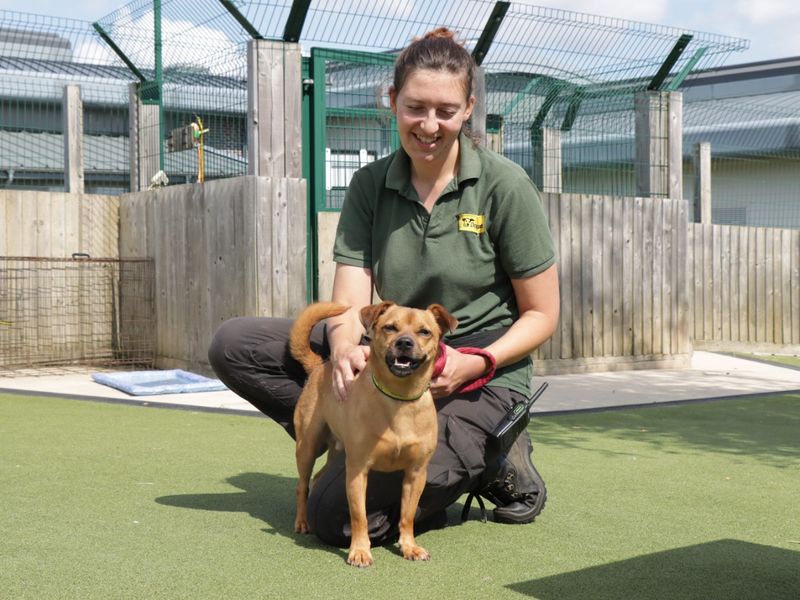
(710, 375)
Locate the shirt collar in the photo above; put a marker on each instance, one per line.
(398, 175)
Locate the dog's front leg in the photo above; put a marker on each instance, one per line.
(359, 555)
(413, 484)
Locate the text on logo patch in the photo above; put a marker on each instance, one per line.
(471, 223)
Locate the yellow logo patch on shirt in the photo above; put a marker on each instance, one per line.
(471, 223)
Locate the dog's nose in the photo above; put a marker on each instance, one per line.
(404, 343)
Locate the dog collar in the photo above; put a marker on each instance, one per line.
(389, 394)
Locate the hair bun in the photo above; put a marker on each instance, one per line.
(440, 32)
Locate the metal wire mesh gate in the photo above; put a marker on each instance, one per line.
(61, 311)
(353, 125)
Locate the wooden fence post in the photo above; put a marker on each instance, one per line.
(478, 118)
(72, 111)
(659, 144)
(144, 140)
(274, 109)
(701, 157)
(547, 160)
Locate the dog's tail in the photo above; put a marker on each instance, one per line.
(299, 342)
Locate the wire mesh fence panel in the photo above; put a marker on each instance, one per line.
(755, 157)
(561, 89)
(356, 125)
(195, 72)
(69, 311)
(366, 26)
(39, 56)
(578, 76)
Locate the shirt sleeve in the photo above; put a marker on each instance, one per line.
(353, 243)
(519, 228)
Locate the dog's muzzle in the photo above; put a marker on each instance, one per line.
(401, 357)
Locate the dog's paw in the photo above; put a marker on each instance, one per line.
(359, 558)
(414, 552)
(301, 526)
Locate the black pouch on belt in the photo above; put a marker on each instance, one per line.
(514, 422)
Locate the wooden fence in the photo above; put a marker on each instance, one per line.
(226, 248)
(56, 225)
(624, 295)
(56, 309)
(623, 277)
(745, 288)
(640, 285)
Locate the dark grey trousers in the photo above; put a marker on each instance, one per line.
(251, 356)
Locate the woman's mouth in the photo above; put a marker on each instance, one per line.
(428, 141)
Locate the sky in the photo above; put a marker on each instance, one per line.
(772, 26)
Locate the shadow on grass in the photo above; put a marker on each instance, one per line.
(269, 498)
(761, 427)
(720, 569)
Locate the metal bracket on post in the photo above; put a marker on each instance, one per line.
(295, 21)
(670, 61)
(241, 19)
(489, 31)
(118, 51)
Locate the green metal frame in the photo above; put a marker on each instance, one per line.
(312, 259)
(315, 120)
(320, 113)
(159, 78)
(677, 81)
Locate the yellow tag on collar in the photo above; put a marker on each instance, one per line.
(471, 223)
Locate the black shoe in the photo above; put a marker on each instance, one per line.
(514, 485)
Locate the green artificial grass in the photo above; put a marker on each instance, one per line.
(780, 360)
(111, 501)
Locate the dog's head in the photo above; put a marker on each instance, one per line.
(405, 339)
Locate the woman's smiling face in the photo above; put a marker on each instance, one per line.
(431, 108)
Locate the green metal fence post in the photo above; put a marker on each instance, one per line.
(312, 259)
(159, 75)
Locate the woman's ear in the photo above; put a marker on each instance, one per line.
(393, 99)
(470, 107)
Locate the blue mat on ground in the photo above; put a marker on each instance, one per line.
(151, 383)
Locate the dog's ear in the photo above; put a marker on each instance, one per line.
(445, 320)
(370, 314)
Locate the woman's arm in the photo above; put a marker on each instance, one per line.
(538, 301)
(352, 286)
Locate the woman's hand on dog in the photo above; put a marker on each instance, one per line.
(348, 360)
(458, 370)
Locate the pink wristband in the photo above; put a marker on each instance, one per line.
(481, 381)
(441, 360)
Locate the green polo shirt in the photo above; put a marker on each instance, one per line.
(486, 228)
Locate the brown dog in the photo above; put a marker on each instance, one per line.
(387, 422)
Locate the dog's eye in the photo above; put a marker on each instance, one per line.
(425, 332)
(389, 329)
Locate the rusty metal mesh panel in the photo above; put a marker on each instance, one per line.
(61, 311)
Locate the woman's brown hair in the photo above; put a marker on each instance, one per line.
(437, 50)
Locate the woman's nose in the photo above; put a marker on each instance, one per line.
(429, 123)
